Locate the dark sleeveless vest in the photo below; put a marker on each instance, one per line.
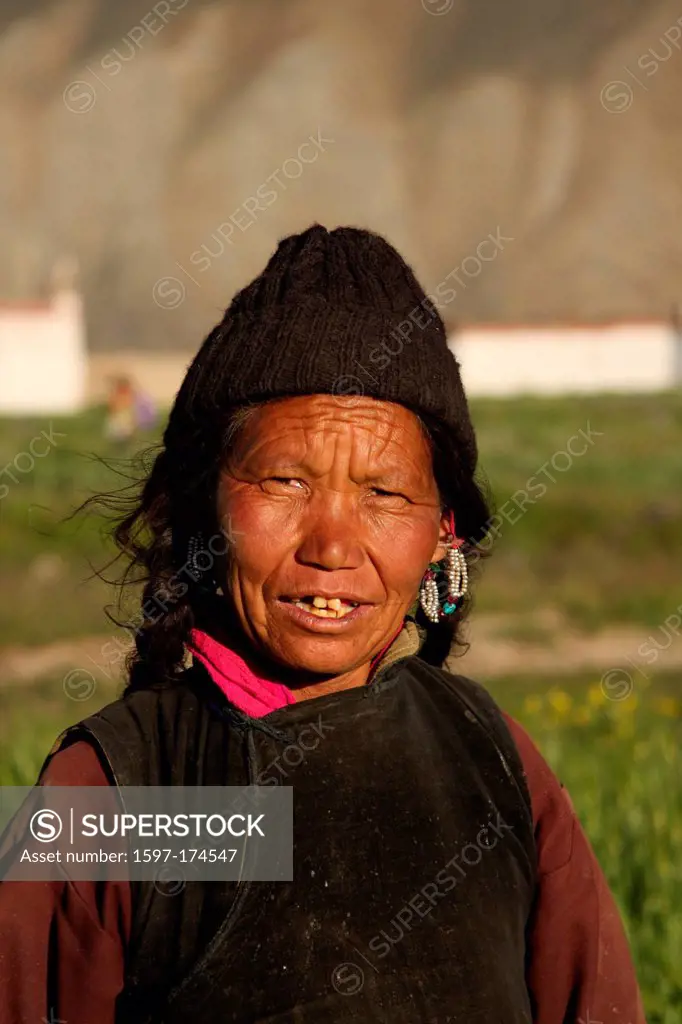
(414, 857)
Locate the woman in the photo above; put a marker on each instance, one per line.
(440, 873)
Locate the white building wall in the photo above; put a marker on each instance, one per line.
(44, 366)
(43, 360)
(561, 360)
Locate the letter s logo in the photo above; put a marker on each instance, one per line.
(45, 826)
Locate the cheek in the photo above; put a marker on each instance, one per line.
(260, 540)
(404, 554)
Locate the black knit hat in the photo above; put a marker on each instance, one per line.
(334, 312)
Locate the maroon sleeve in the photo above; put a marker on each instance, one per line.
(62, 943)
(580, 970)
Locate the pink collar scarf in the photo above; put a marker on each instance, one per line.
(242, 687)
(250, 693)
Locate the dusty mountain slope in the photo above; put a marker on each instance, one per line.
(132, 131)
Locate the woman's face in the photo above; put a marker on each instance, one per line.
(334, 514)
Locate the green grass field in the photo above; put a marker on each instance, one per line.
(621, 762)
(602, 544)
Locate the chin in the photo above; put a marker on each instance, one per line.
(316, 660)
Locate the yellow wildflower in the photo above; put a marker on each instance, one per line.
(596, 697)
(561, 702)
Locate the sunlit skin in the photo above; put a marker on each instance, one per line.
(328, 495)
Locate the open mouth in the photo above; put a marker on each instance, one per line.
(323, 607)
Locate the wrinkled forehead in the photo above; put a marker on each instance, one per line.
(318, 429)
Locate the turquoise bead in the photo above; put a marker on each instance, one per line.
(449, 608)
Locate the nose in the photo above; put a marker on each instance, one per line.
(331, 537)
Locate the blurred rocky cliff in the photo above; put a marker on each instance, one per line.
(149, 138)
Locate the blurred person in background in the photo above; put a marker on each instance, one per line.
(323, 431)
(129, 410)
(119, 425)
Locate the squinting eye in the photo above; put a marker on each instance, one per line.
(279, 483)
(393, 496)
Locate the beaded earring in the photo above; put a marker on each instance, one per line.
(457, 576)
(195, 546)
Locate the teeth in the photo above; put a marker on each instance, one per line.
(334, 608)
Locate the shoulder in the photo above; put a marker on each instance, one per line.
(472, 696)
(148, 709)
(479, 705)
(75, 764)
(131, 736)
(470, 691)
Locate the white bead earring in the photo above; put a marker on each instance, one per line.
(457, 576)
